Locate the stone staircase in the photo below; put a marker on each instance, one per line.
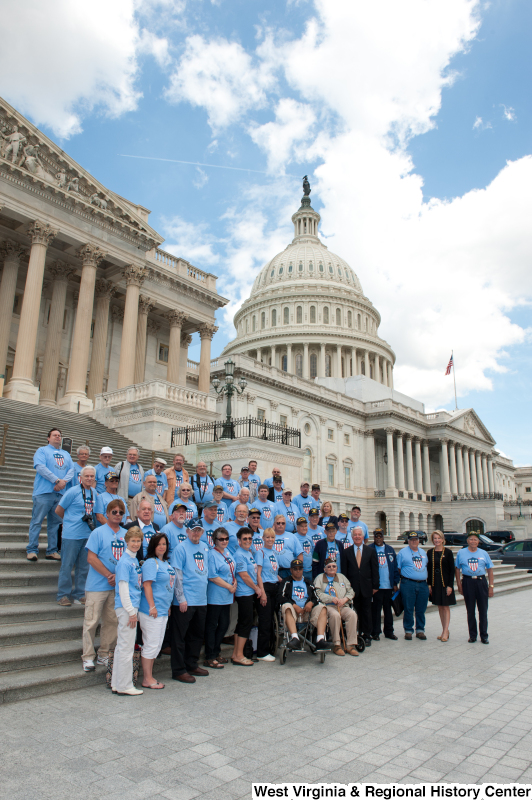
(40, 642)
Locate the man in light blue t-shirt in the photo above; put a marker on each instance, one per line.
(158, 470)
(474, 564)
(412, 564)
(230, 486)
(356, 522)
(54, 470)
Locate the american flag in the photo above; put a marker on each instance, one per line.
(449, 366)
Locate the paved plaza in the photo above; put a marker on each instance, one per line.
(403, 711)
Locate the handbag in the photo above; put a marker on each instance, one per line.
(136, 666)
(397, 603)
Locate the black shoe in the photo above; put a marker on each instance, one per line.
(323, 644)
(367, 641)
(391, 636)
(485, 641)
(472, 641)
(294, 644)
(376, 638)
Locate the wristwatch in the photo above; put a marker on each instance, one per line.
(491, 586)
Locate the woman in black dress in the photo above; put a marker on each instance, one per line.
(441, 580)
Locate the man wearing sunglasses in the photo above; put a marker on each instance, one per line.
(105, 546)
(299, 603)
(289, 510)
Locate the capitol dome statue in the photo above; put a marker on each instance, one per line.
(307, 313)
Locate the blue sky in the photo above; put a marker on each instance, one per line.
(412, 119)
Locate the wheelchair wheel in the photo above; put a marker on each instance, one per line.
(277, 635)
(282, 656)
(361, 644)
(322, 656)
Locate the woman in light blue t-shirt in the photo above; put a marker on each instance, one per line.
(158, 579)
(247, 588)
(220, 593)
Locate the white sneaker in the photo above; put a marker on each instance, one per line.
(267, 658)
(131, 691)
(88, 666)
(102, 662)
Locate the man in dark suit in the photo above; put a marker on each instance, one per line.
(143, 520)
(361, 567)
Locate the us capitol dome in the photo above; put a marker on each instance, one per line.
(307, 313)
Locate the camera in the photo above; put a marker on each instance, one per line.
(89, 519)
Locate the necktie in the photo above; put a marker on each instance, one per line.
(359, 556)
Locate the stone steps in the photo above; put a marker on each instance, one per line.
(28, 683)
(28, 656)
(34, 612)
(17, 578)
(40, 632)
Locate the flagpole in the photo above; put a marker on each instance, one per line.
(454, 378)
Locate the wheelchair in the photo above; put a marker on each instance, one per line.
(307, 638)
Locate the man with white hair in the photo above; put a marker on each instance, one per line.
(243, 498)
(131, 474)
(361, 568)
(106, 455)
(83, 453)
(158, 470)
(76, 509)
(149, 492)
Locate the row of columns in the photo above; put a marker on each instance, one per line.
(134, 330)
(379, 362)
(466, 470)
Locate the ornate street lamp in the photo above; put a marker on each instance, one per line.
(228, 388)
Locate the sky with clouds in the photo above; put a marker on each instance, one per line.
(412, 119)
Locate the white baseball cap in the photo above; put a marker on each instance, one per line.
(160, 461)
(106, 451)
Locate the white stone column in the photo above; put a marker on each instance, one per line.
(371, 481)
(445, 466)
(134, 277)
(419, 478)
(460, 469)
(354, 365)
(366, 363)
(400, 462)
(409, 464)
(75, 398)
(478, 465)
(273, 351)
(186, 341)
(60, 273)
(10, 253)
(485, 477)
(467, 472)
(104, 290)
(391, 463)
(338, 361)
(321, 371)
(306, 372)
(473, 470)
(491, 480)
(289, 359)
(452, 463)
(176, 319)
(390, 375)
(206, 333)
(21, 385)
(145, 306)
(378, 368)
(427, 485)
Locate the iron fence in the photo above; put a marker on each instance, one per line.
(245, 427)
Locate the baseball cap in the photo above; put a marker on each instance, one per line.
(181, 505)
(377, 531)
(343, 516)
(413, 535)
(210, 504)
(111, 476)
(253, 511)
(218, 486)
(194, 523)
(244, 469)
(472, 533)
(296, 563)
(301, 521)
(314, 512)
(106, 451)
(329, 525)
(329, 560)
(277, 479)
(305, 483)
(160, 461)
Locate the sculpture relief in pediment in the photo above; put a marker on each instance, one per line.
(469, 425)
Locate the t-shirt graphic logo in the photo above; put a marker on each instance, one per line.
(209, 539)
(160, 486)
(472, 563)
(278, 545)
(179, 479)
(134, 474)
(117, 548)
(59, 460)
(299, 593)
(382, 559)
(220, 514)
(158, 505)
(306, 547)
(181, 537)
(189, 514)
(139, 574)
(291, 516)
(273, 563)
(316, 537)
(257, 543)
(267, 513)
(89, 505)
(306, 507)
(417, 562)
(346, 543)
(230, 488)
(278, 497)
(171, 577)
(200, 561)
(331, 552)
(147, 537)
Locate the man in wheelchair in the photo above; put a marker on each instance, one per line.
(299, 603)
(336, 593)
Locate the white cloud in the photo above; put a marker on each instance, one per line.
(219, 76)
(480, 124)
(293, 125)
(509, 113)
(61, 60)
(192, 242)
(201, 178)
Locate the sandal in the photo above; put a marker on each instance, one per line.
(156, 685)
(222, 660)
(244, 663)
(213, 664)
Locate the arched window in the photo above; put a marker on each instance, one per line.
(313, 313)
(363, 367)
(328, 372)
(286, 315)
(299, 314)
(299, 365)
(340, 271)
(349, 319)
(281, 270)
(290, 269)
(284, 363)
(311, 267)
(321, 267)
(300, 266)
(263, 320)
(307, 465)
(359, 322)
(313, 365)
(326, 315)
(254, 323)
(338, 317)
(272, 273)
(274, 318)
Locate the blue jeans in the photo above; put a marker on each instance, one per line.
(308, 576)
(44, 506)
(415, 596)
(73, 554)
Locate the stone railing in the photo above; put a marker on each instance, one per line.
(182, 268)
(155, 390)
(192, 365)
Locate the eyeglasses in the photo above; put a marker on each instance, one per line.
(117, 513)
(297, 569)
(222, 539)
(246, 538)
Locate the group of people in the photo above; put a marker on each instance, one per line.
(177, 562)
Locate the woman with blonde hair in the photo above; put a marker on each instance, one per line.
(326, 514)
(441, 580)
(184, 496)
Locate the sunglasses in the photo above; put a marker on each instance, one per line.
(297, 569)
(222, 539)
(246, 538)
(118, 513)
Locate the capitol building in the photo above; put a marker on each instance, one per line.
(96, 318)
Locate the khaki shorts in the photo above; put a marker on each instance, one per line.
(314, 614)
